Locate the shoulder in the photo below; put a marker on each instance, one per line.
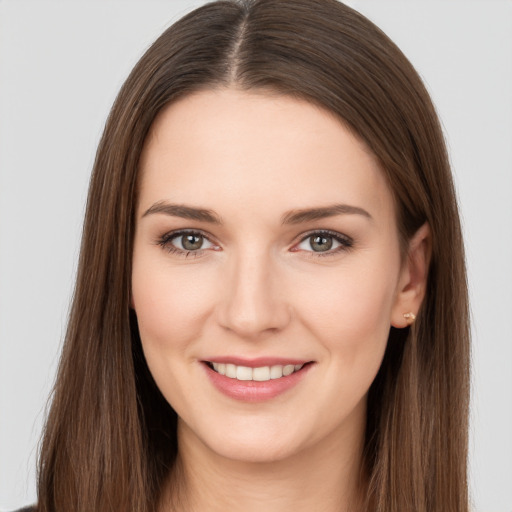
(27, 509)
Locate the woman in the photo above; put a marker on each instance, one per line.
(270, 310)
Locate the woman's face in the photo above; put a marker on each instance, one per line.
(266, 242)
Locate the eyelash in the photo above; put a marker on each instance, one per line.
(346, 243)
(165, 243)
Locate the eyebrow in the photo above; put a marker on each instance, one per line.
(185, 212)
(311, 214)
(291, 217)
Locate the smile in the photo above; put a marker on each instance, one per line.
(258, 374)
(255, 380)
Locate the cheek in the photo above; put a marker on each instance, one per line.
(349, 309)
(348, 314)
(170, 305)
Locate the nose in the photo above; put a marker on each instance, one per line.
(253, 301)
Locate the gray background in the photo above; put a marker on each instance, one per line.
(61, 65)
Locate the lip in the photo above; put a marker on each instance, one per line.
(255, 391)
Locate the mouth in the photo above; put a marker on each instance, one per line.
(257, 374)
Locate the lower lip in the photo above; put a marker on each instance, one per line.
(255, 391)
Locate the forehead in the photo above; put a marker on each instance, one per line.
(229, 147)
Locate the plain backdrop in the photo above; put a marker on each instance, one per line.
(61, 65)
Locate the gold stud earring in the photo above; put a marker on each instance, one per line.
(410, 317)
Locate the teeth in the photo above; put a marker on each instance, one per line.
(260, 374)
(230, 371)
(276, 372)
(243, 373)
(288, 369)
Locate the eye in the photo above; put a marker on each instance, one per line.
(185, 242)
(324, 242)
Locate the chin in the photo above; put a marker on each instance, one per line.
(260, 443)
(252, 451)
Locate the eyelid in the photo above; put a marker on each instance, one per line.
(346, 242)
(165, 241)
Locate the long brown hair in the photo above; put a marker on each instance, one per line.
(110, 438)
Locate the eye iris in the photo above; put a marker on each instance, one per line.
(191, 242)
(320, 243)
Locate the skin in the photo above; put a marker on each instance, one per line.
(258, 288)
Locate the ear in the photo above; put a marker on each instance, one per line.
(412, 282)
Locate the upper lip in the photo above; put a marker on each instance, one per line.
(256, 362)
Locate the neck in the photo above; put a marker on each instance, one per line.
(324, 477)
